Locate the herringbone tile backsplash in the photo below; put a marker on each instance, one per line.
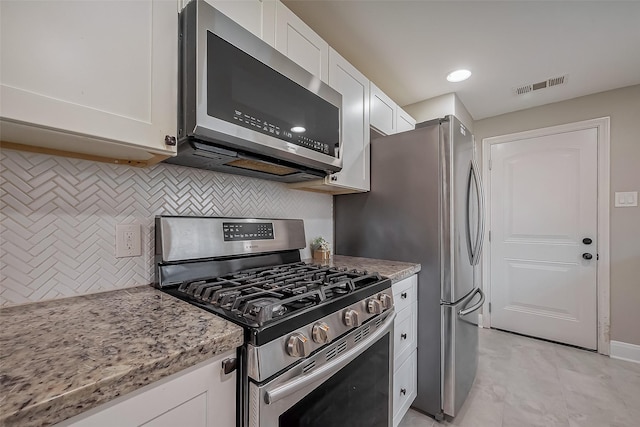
(58, 218)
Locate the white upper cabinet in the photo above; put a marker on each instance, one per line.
(354, 87)
(383, 111)
(387, 117)
(404, 121)
(95, 78)
(300, 43)
(254, 15)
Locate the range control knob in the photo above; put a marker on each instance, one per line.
(320, 333)
(386, 300)
(298, 345)
(352, 318)
(374, 306)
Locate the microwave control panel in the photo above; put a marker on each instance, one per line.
(262, 126)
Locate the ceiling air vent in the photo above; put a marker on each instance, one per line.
(554, 81)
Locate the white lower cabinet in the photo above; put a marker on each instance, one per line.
(405, 379)
(202, 396)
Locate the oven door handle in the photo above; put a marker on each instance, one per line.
(329, 369)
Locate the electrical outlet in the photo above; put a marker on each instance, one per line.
(128, 240)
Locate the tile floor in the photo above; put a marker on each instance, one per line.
(523, 382)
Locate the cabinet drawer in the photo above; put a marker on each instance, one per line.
(405, 292)
(404, 387)
(405, 331)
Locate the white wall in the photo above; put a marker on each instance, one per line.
(58, 218)
(623, 106)
(440, 106)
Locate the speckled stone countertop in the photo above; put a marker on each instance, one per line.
(60, 358)
(395, 270)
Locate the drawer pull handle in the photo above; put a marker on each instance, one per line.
(403, 391)
(403, 336)
(403, 295)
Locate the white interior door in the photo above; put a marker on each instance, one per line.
(543, 207)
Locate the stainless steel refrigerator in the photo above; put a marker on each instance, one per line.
(426, 206)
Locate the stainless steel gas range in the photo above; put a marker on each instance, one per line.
(318, 346)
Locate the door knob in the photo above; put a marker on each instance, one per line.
(587, 241)
(587, 255)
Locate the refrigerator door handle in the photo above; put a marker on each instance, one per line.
(471, 245)
(476, 306)
(477, 249)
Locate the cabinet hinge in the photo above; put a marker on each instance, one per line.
(489, 307)
(597, 257)
(489, 235)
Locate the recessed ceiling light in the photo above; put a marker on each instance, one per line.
(298, 129)
(458, 75)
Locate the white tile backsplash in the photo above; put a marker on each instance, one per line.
(58, 218)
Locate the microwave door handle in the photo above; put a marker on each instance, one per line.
(326, 371)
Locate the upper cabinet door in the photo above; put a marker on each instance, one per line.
(300, 43)
(103, 70)
(354, 87)
(254, 15)
(383, 111)
(404, 121)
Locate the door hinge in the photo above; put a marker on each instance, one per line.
(489, 307)
(597, 257)
(490, 164)
(489, 235)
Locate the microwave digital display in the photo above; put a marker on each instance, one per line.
(244, 91)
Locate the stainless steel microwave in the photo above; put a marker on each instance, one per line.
(245, 108)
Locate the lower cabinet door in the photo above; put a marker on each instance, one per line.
(201, 396)
(405, 333)
(193, 412)
(405, 382)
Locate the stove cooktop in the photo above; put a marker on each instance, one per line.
(273, 300)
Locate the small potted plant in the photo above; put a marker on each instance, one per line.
(320, 249)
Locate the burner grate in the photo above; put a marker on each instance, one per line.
(265, 294)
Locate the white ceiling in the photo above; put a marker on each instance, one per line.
(408, 47)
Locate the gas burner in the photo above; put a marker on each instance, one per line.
(264, 309)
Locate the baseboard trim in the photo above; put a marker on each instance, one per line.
(625, 351)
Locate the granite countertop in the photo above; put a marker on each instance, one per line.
(60, 358)
(395, 270)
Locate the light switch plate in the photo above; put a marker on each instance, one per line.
(626, 199)
(128, 240)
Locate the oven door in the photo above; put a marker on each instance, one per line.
(349, 383)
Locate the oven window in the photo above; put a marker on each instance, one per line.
(356, 396)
